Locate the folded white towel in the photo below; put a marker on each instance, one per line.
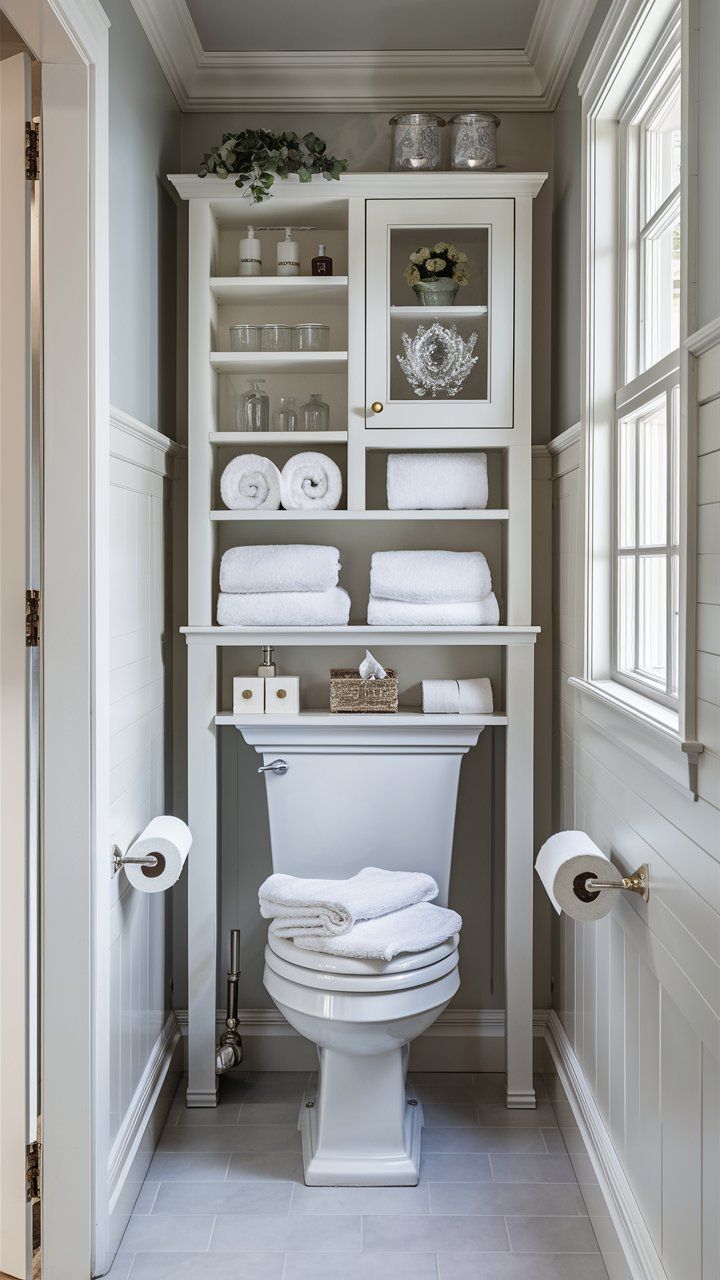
(279, 568)
(428, 577)
(310, 482)
(415, 928)
(464, 697)
(399, 613)
(284, 609)
(250, 483)
(437, 481)
(324, 908)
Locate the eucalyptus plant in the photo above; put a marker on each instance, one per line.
(258, 157)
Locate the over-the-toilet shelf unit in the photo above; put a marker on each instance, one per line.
(370, 222)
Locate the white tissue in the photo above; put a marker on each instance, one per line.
(571, 856)
(370, 668)
(169, 840)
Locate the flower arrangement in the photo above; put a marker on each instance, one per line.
(442, 261)
(258, 157)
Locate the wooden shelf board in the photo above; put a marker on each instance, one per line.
(489, 514)
(278, 437)
(290, 289)
(252, 362)
(402, 718)
(359, 635)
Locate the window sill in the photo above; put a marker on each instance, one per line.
(644, 728)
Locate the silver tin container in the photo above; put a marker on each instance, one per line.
(474, 142)
(416, 140)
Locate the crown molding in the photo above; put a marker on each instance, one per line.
(529, 79)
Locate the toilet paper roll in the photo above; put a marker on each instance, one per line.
(564, 863)
(167, 839)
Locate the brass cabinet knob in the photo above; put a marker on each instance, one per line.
(247, 693)
(282, 693)
(376, 406)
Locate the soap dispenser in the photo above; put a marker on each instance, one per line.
(288, 255)
(250, 263)
(267, 667)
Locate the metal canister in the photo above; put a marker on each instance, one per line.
(474, 142)
(416, 140)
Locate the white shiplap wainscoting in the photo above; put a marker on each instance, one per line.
(142, 1034)
(636, 1028)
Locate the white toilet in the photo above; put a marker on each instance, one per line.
(342, 797)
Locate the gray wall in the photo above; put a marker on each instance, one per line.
(145, 145)
(708, 195)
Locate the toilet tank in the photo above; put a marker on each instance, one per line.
(360, 795)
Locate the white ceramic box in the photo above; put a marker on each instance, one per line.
(248, 695)
(282, 694)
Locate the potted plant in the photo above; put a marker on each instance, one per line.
(258, 157)
(436, 274)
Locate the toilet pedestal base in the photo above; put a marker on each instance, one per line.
(360, 1129)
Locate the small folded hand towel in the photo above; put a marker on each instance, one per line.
(429, 577)
(279, 568)
(325, 908)
(251, 483)
(416, 928)
(284, 609)
(399, 613)
(310, 482)
(462, 697)
(437, 481)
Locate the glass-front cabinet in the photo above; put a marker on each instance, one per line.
(440, 313)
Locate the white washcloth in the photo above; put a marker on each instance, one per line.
(310, 482)
(437, 481)
(429, 577)
(279, 568)
(415, 928)
(399, 613)
(463, 697)
(326, 908)
(250, 483)
(285, 609)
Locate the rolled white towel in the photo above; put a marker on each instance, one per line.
(415, 928)
(476, 697)
(279, 568)
(284, 609)
(310, 482)
(427, 577)
(251, 483)
(399, 613)
(325, 908)
(440, 697)
(437, 481)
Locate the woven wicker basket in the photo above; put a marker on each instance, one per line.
(349, 693)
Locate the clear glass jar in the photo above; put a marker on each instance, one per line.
(254, 408)
(474, 144)
(244, 337)
(315, 414)
(276, 337)
(285, 416)
(311, 337)
(416, 140)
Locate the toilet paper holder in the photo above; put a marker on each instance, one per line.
(587, 888)
(120, 859)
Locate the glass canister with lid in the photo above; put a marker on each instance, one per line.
(276, 337)
(474, 140)
(311, 337)
(416, 140)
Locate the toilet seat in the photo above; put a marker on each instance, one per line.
(324, 962)
(387, 977)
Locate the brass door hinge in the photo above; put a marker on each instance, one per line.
(32, 1171)
(32, 151)
(32, 619)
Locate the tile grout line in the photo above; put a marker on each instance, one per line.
(210, 1237)
(132, 1264)
(227, 1167)
(155, 1197)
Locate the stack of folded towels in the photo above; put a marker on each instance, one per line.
(431, 588)
(282, 586)
(375, 915)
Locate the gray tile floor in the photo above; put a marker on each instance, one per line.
(224, 1196)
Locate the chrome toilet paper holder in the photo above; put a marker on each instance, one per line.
(637, 882)
(120, 859)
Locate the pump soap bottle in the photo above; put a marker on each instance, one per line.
(250, 263)
(288, 255)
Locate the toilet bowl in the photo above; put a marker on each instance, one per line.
(341, 797)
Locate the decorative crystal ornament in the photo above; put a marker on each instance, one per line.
(437, 359)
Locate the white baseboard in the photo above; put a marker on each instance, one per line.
(636, 1243)
(460, 1040)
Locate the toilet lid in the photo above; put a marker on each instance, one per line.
(322, 962)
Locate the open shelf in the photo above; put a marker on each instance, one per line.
(402, 718)
(359, 635)
(286, 289)
(487, 514)
(278, 437)
(251, 362)
(445, 313)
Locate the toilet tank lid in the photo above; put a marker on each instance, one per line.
(321, 962)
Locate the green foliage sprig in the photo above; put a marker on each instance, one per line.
(258, 157)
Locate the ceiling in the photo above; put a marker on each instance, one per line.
(374, 24)
(365, 55)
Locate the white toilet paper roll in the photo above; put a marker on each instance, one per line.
(167, 839)
(564, 863)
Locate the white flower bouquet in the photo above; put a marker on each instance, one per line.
(442, 261)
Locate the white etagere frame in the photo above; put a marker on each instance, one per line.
(212, 204)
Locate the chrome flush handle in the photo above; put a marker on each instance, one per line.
(275, 766)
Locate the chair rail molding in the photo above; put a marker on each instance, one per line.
(529, 79)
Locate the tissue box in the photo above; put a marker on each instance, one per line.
(349, 693)
(248, 695)
(282, 694)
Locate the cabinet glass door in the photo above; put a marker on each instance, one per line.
(440, 304)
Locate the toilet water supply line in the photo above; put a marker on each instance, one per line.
(229, 1051)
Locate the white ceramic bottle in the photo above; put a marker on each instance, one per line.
(288, 255)
(250, 263)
